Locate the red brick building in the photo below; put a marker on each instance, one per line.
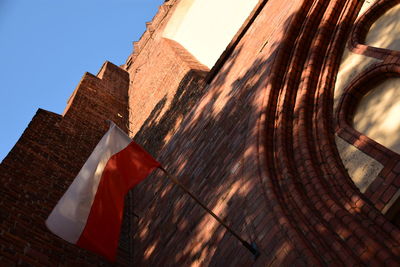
(266, 121)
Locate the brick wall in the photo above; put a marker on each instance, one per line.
(256, 144)
(43, 163)
(257, 147)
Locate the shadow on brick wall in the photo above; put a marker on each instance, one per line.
(155, 130)
(206, 153)
(214, 151)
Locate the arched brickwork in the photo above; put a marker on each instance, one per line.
(308, 210)
(362, 26)
(256, 144)
(387, 183)
(317, 198)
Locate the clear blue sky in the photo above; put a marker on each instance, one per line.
(47, 45)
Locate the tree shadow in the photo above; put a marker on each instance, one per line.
(213, 151)
(206, 151)
(160, 125)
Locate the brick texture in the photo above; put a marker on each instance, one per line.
(258, 148)
(253, 139)
(42, 164)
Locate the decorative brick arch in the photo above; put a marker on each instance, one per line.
(383, 188)
(362, 26)
(387, 183)
(311, 189)
(257, 143)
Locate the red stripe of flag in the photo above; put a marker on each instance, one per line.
(123, 171)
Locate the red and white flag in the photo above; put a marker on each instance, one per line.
(90, 212)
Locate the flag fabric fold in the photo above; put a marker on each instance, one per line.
(90, 212)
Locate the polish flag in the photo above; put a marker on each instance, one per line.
(89, 214)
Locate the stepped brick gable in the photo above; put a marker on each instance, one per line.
(271, 136)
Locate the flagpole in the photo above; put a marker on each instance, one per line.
(251, 247)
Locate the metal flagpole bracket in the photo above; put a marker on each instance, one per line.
(136, 215)
(251, 247)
